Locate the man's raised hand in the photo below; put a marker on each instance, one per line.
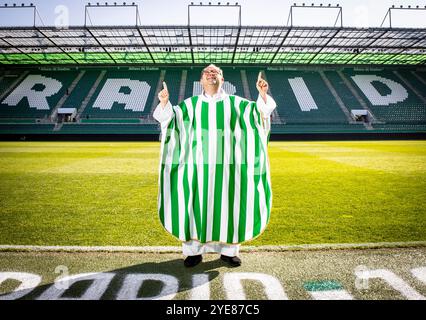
(163, 95)
(262, 86)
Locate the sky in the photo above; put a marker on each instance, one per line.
(356, 13)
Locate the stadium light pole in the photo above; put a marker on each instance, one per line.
(313, 6)
(209, 5)
(321, 6)
(389, 12)
(116, 5)
(22, 6)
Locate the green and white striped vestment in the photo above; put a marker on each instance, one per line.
(214, 182)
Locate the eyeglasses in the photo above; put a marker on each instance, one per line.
(212, 71)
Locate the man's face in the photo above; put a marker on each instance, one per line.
(211, 77)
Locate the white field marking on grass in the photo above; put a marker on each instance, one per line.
(235, 290)
(419, 273)
(28, 282)
(331, 295)
(176, 249)
(133, 282)
(100, 283)
(393, 280)
(200, 287)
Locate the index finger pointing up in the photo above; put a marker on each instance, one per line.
(165, 86)
(259, 77)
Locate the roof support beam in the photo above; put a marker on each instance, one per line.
(16, 48)
(280, 46)
(325, 45)
(146, 46)
(60, 48)
(96, 39)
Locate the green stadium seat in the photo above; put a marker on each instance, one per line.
(172, 79)
(295, 104)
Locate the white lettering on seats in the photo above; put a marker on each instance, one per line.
(134, 100)
(36, 98)
(303, 95)
(364, 82)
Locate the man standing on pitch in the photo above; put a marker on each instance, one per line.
(214, 184)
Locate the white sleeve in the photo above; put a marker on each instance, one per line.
(163, 115)
(267, 107)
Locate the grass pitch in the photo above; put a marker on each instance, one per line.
(105, 193)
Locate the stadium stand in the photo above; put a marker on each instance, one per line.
(76, 97)
(303, 97)
(348, 98)
(126, 93)
(37, 94)
(386, 95)
(120, 100)
(173, 79)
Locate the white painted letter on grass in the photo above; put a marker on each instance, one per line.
(100, 282)
(133, 282)
(393, 280)
(235, 291)
(28, 282)
(200, 287)
(419, 273)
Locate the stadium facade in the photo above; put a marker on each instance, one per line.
(97, 81)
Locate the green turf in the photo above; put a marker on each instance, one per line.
(92, 193)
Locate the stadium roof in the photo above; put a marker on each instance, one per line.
(259, 45)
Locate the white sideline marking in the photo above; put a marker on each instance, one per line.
(175, 249)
